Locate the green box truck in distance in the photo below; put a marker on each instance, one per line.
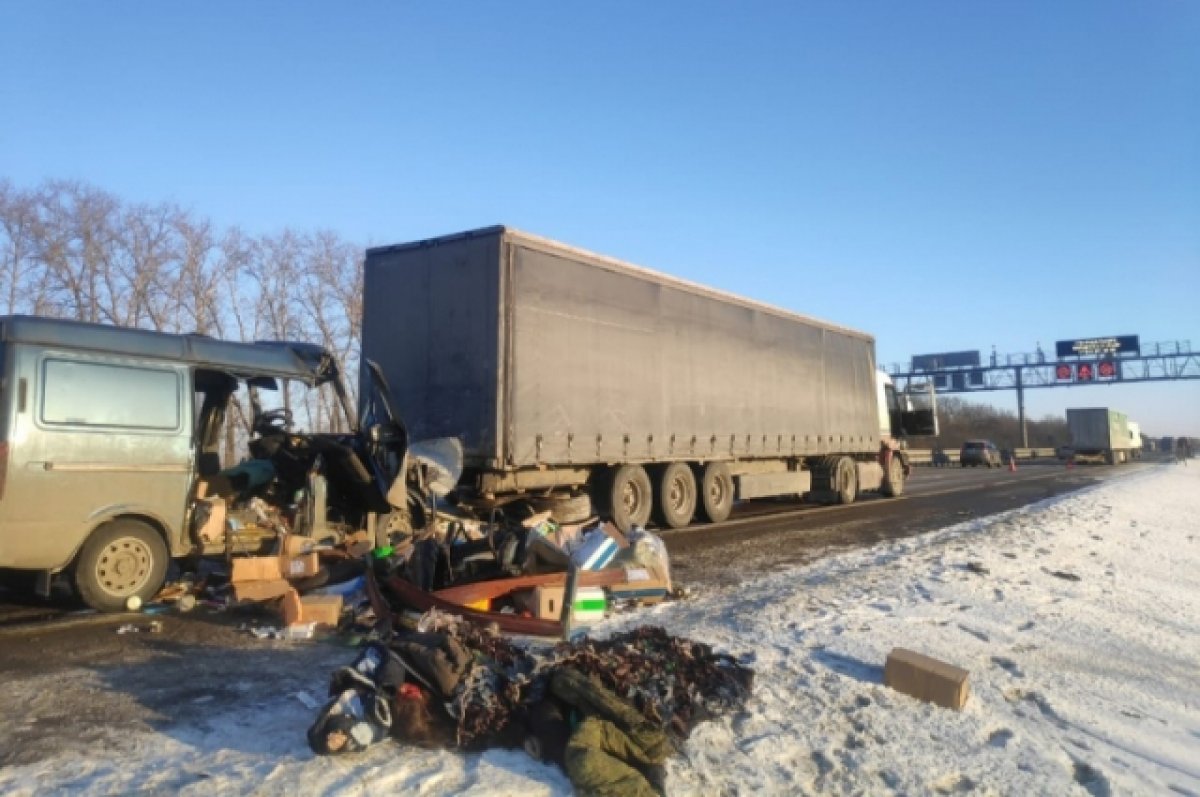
(1102, 433)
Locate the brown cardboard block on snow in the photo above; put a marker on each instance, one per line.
(319, 609)
(256, 568)
(926, 678)
(260, 590)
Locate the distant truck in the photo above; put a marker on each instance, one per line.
(569, 377)
(1099, 432)
(1136, 440)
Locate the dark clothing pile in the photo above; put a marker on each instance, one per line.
(610, 711)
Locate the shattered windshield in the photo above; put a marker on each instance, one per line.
(306, 410)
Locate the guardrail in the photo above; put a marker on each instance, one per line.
(924, 456)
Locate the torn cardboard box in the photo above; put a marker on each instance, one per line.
(545, 602)
(255, 568)
(319, 609)
(641, 587)
(270, 568)
(926, 678)
(598, 547)
(258, 591)
(298, 545)
(302, 566)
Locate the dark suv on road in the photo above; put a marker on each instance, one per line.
(979, 452)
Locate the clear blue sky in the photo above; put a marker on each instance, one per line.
(944, 175)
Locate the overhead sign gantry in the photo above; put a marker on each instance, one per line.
(1083, 361)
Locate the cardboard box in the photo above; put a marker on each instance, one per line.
(256, 568)
(290, 607)
(643, 589)
(598, 547)
(545, 603)
(260, 590)
(359, 544)
(926, 678)
(297, 545)
(319, 609)
(303, 566)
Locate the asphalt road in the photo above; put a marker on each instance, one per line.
(761, 533)
(70, 681)
(770, 534)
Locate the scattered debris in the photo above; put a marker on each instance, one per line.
(607, 711)
(154, 627)
(977, 568)
(292, 632)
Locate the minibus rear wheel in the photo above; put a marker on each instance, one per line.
(122, 559)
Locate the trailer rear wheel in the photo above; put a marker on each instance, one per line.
(845, 480)
(675, 495)
(630, 497)
(893, 477)
(716, 492)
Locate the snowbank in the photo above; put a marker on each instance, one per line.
(1078, 619)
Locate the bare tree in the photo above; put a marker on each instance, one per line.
(331, 295)
(18, 267)
(76, 240)
(148, 267)
(200, 304)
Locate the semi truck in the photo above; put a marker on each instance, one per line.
(1102, 433)
(572, 377)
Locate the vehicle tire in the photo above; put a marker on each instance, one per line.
(630, 497)
(893, 477)
(845, 483)
(716, 492)
(675, 495)
(122, 559)
(566, 508)
(963, 464)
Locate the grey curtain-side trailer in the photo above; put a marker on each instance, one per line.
(566, 372)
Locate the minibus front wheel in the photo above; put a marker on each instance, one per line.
(122, 559)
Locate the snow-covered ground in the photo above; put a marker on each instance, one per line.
(1078, 619)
